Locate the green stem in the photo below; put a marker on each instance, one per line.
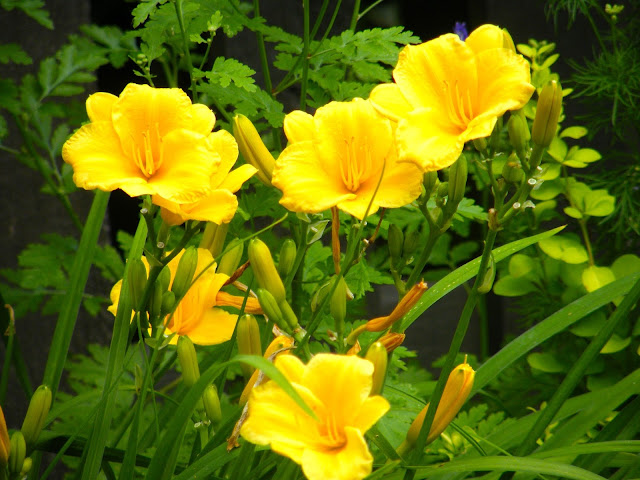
(262, 51)
(577, 371)
(585, 235)
(355, 16)
(187, 51)
(454, 349)
(305, 56)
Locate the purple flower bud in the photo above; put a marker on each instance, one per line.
(460, 29)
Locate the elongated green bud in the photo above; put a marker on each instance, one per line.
(248, 340)
(188, 361)
(164, 279)
(287, 257)
(211, 402)
(396, 241)
(494, 139)
(457, 181)
(213, 237)
(455, 393)
(548, 112)
(18, 452)
(411, 242)
(271, 309)
(377, 354)
(512, 171)
(252, 148)
(265, 270)
(168, 303)
(137, 274)
(185, 271)
(441, 193)
(338, 305)
(518, 134)
(489, 276)
(26, 466)
(430, 182)
(36, 414)
(231, 260)
(319, 295)
(288, 315)
(480, 144)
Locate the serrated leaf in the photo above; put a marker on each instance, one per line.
(227, 70)
(13, 53)
(142, 11)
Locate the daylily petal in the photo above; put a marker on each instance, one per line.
(141, 108)
(299, 126)
(100, 106)
(218, 206)
(252, 305)
(344, 391)
(485, 37)
(237, 177)
(291, 367)
(425, 138)
(424, 72)
(225, 146)
(305, 185)
(352, 462)
(389, 101)
(98, 161)
(215, 326)
(202, 119)
(372, 410)
(401, 185)
(186, 169)
(358, 205)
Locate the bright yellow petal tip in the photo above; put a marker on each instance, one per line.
(331, 446)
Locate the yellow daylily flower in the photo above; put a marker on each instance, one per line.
(146, 141)
(447, 92)
(336, 388)
(220, 204)
(336, 158)
(197, 315)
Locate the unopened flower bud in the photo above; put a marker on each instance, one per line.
(271, 309)
(5, 444)
(377, 354)
(188, 361)
(265, 270)
(518, 134)
(164, 279)
(211, 402)
(319, 295)
(288, 315)
(430, 182)
(138, 377)
(442, 191)
(395, 241)
(185, 271)
(287, 257)
(252, 148)
(213, 237)
(455, 394)
(457, 181)
(411, 242)
(489, 276)
(392, 340)
(402, 308)
(18, 452)
(231, 260)
(480, 144)
(36, 414)
(137, 274)
(507, 41)
(548, 112)
(168, 303)
(248, 340)
(26, 466)
(494, 139)
(338, 305)
(512, 171)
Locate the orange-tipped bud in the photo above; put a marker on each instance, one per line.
(5, 444)
(253, 148)
(377, 354)
(407, 303)
(455, 394)
(392, 340)
(265, 270)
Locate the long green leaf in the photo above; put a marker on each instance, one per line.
(549, 327)
(466, 272)
(94, 449)
(207, 464)
(159, 469)
(510, 464)
(276, 375)
(71, 304)
(589, 448)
